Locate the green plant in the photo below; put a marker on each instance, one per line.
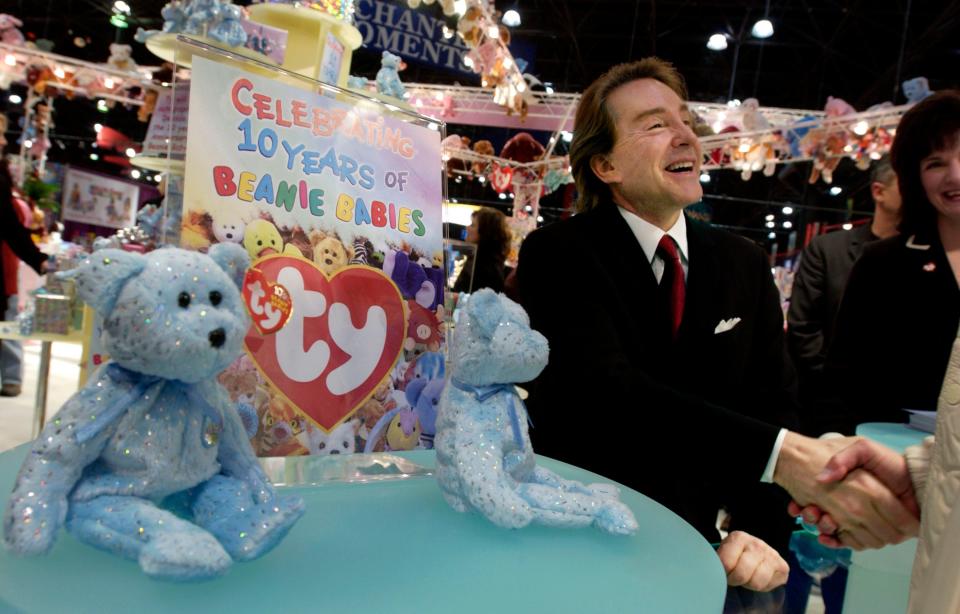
(41, 193)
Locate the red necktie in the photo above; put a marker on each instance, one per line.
(672, 283)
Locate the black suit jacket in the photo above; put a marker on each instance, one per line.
(618, 397)
(817, 290)
(893, 335)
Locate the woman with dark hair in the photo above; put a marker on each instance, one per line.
(488, 230)
(901, 307)
(900, 328)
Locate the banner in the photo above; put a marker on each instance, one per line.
(414, 35)
(339, 207)
(100, 200)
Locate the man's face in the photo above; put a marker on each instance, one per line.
(655, 161)
(887, 195)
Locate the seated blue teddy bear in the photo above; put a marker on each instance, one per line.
(150, 460)
(484, 457)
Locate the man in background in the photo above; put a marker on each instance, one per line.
(824, 269)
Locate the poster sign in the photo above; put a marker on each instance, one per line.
(332, 57)
(416, 36)
(167, 132)
(339, 207)
(99, 200)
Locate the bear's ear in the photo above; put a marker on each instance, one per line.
(485, 310)
(232, 258)
(414, 389)
(102, 276)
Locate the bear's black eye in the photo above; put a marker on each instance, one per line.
(183, 300)
(259, 242)
(215, 298)
(322, 445)
(346, 444)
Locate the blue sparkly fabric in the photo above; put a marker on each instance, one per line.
(484, 458)
(155, 425)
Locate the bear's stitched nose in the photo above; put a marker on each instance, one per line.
(217, 337)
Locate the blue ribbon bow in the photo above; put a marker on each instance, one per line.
(141, 383)
(482, 393)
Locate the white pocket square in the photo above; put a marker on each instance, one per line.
(725, 325)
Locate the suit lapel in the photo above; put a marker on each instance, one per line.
(858, 237)
(703, 283)
(619, 256)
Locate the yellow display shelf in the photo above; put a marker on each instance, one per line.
(164, 46)
(310, 52)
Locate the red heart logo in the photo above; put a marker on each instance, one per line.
(268, 304)
(342, 336)
(501, 177)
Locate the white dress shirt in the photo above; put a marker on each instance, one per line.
(649, 237)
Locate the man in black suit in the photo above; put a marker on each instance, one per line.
(824, 269)
(658, 324)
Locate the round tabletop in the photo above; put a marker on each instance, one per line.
(389, 543)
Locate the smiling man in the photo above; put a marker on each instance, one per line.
(667, 367)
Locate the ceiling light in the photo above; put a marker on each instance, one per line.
(528, 209)
(10, 60)
(507, 63)
(860, 128)
(772, 235)
(131, 152)
(468, 61)
(566, 136)
(121, 7)
(482, 179)
(540, 218)
(28, 143)
(108, 83)
(94, 157)
(135, 174)
(769, 217)
(788, 210)
(447, 32)
(787, 224)
(97, 127)
(102, 106)
(493, 31)
(158, 178)
(15, 99)
(717, 42)
(511, 19)
(771, 224)
(59, 73)
(548, 89)
(460, 6)
(503, 196)
(762, 29)
(704, 177)
(847, 226)
(835, 190)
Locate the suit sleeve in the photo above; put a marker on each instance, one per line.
(805, 317)
(586, 350)
(852, 395)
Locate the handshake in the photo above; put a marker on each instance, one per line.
(858, 493)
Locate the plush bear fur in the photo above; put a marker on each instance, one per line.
(484, 458)
(153, 423)
(388, 77)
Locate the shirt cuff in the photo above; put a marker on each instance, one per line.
(767, 477)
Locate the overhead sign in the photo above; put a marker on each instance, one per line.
(416, 36)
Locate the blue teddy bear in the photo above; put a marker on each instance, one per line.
(388, 77)
(229, 29)
(150, 460)
(484, 457)
(424, 397)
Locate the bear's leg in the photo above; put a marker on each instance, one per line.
(165, 546)
(245, 527)
(558, 507)
(450, 487)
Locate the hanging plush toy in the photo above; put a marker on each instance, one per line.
(9, 32)
(485, 461)
(228, 28)
(151, 460)
(120, 58)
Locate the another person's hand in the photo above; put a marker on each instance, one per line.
(884, 463)
(866, 511)
(751, 563)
